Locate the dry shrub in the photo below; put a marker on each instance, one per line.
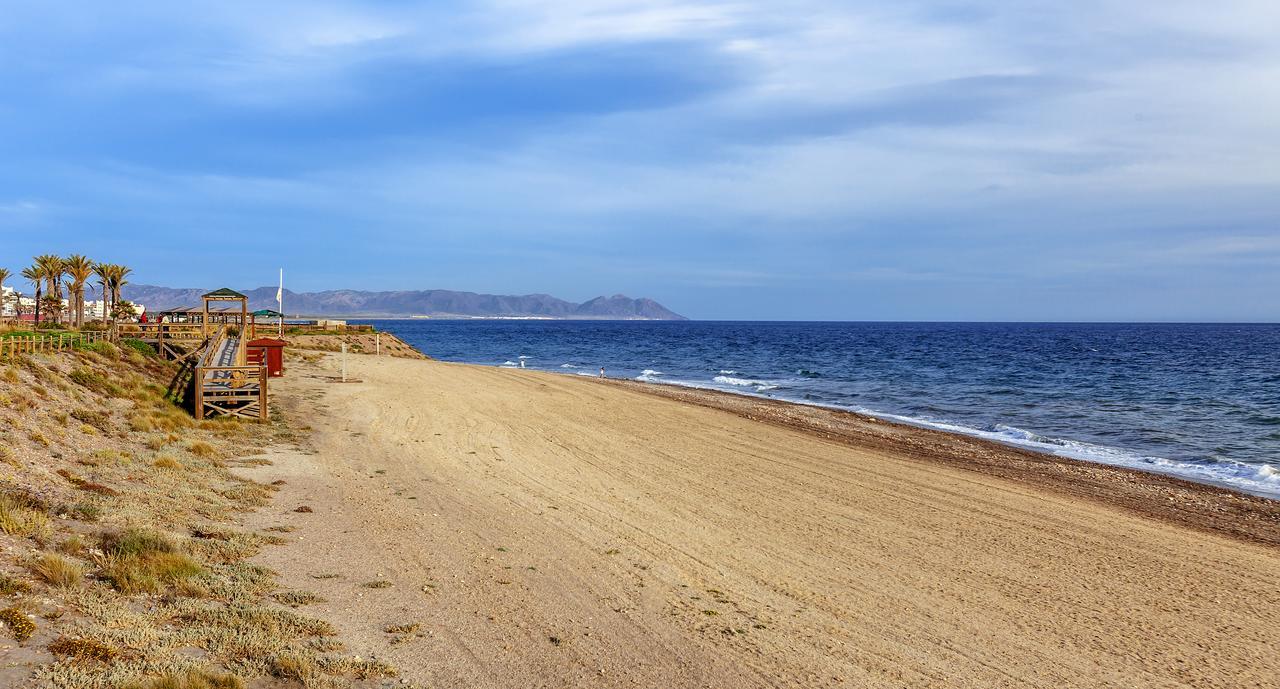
(83, 649)
(294, 666)
(57, 570)
(295, 599)
(244, 632)
(73, 545)
(194, 679)
(190, 588)
(143, 561)
(19, 625)
(248, 494)
(171, 418)
(86, 510)
(85, 484)
(10, 585)
(96, 382)
(201, 448)
(359, 668)
(96, 418)
(166, 462)
(20, 516)
(141, 424)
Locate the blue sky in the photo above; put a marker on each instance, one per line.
(907, 160)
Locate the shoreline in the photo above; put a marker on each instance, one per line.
(959, 429)
(1203, 506)
(902, 421)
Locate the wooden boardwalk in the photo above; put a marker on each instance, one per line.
(223, 382)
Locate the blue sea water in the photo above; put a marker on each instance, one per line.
(1197, 401)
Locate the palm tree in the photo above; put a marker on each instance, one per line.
(5, 275)
(35, 275)
(79, 268)
(120, 275)
(114, 277)
(103, 272)
(53, 268)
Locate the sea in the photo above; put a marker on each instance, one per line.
(1196, 401)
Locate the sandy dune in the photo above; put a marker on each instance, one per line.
(551, 531)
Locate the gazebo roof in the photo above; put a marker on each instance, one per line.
(268, 313)
(224, 293)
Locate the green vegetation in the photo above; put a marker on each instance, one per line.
(138, 346)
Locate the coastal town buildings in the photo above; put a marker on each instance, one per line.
(19, 305)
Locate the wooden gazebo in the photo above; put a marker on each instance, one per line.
(221, 295)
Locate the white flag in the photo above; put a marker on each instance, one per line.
(280, 293)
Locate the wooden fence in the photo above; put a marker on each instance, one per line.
(171, 340)
(16, 345)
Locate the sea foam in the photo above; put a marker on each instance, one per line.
(1258, 479)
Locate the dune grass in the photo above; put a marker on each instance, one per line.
(124, 505)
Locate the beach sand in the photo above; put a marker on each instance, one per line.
(555, 531)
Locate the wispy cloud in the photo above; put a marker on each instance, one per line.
(763, 147)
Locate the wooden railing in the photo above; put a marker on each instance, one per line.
(171, 340)
(15, 345)
(236, 390)
(213, 346)
(161, 331)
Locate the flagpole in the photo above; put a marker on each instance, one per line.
(280, 305)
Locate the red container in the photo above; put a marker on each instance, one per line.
(269, 352)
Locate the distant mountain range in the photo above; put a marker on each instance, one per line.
(434, 302)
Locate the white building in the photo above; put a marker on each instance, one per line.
(92, 309)
(11, 300)
(97, 309)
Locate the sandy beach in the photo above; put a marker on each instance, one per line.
(482, 527)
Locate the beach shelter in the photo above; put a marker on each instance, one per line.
(269, 313)
(225, 294)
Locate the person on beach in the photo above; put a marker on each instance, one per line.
(602, 372)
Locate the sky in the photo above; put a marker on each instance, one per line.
(813, 159)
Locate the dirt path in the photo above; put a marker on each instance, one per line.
(549, 531)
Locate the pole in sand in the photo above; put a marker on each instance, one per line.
(377, 344)
(344, 362)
